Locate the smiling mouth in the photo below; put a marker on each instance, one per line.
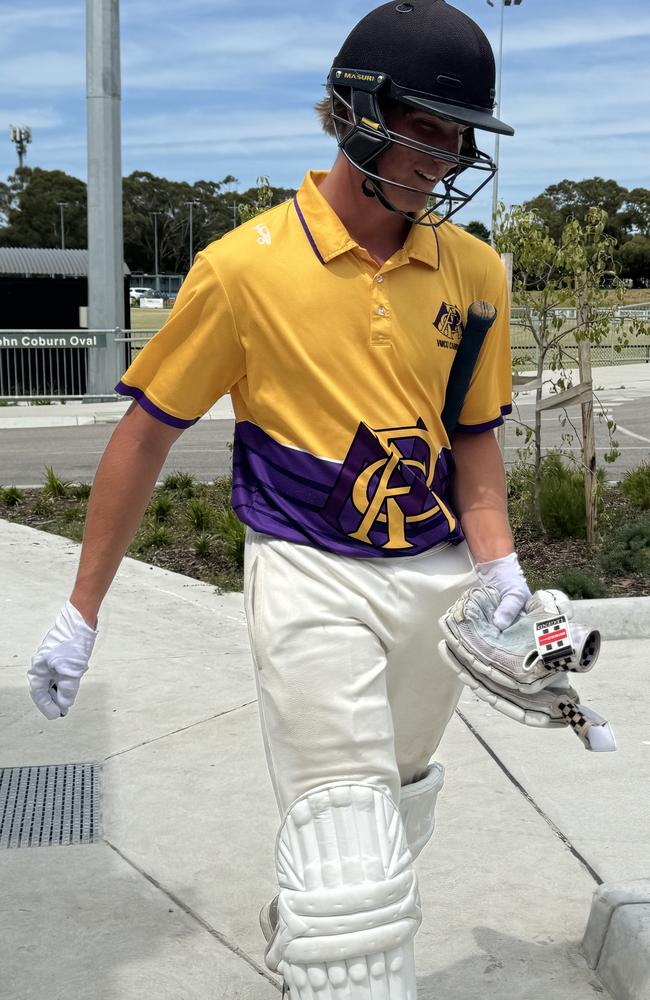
(429, 178)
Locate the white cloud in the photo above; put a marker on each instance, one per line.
(40, 118)
(42, 72)
(29, 19)
(532, 34)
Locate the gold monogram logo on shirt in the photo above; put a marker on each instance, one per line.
(381, 493)
(449, 321)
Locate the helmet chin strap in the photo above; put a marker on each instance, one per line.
(373, 189)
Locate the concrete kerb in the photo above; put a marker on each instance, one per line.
(78, 413)
(616, 617)
(616, 944)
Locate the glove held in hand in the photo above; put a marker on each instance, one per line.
(504, 668)
(60, 662)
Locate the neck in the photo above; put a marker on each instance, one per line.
(380, 232)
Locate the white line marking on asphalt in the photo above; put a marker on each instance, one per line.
(626, 447)
(624, 430)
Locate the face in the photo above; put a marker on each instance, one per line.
(415, 167)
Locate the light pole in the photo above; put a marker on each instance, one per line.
(495, 183)
(191, 206)
(62, 205)
(155, 248)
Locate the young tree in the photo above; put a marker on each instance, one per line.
(551, 275)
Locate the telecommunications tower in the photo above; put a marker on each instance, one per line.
(21, 135)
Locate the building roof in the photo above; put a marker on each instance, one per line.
(31, 260)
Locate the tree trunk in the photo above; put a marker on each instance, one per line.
(506, 259)
(588, 433)
(537, 509)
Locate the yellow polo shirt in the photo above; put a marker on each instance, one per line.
(337, 371)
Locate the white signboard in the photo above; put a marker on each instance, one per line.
(151, 303)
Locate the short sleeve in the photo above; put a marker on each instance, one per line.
(194, 359)
(489, 397)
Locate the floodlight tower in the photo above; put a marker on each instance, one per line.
(21, 135)
(495, 183)
(105, 232)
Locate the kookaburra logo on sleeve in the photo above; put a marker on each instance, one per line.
(385, 489)
(449, 323)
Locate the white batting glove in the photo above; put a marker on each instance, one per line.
(507, 577)
(60, 662)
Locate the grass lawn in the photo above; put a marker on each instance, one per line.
(148, 319)
(153, 319)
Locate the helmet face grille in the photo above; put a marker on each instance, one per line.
(363, 136)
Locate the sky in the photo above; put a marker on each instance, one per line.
(218, 87)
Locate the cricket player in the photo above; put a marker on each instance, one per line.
(333, 321)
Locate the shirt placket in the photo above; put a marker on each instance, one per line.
(381, 323)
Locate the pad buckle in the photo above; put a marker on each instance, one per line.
(553, 639)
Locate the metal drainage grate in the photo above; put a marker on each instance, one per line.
(56, 804)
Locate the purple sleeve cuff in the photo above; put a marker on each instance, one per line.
(155, 411)
(479, 428)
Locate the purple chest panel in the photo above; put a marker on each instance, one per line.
(389, 497)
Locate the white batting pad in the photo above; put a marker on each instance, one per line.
(349, 905)
(417, 806)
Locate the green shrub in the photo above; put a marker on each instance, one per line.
(82, 491)
(203, 544)
(563, 498)
(232, 533)
(578, 584)
(11, 495)
(160, 507)
(635, 485)
(55, 487)
(183, 483)
(200, 515)
(156, 537)
(628, 550)
(521, 494)
(43, 505)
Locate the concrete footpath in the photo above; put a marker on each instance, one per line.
(164, 906)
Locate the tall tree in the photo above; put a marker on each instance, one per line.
(634, 257)
(478, 229)
(573, 199)
(30, 214)
(214, 213)
(637, 211)
(30, 204)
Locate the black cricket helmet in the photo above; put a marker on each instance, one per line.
(431, 57)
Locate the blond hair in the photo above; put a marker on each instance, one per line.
(324, 111)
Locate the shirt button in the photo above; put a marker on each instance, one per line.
(379, 279)
(381, 311)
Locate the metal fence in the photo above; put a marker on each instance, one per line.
(524, 351)
(43, 365)
(166, 284)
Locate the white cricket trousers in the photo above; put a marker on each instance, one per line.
(349, 681)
